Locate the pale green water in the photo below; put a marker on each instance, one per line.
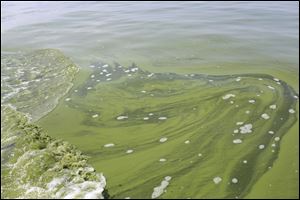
(180, 37)
(159, 35)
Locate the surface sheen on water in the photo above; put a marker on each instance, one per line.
(177, 35)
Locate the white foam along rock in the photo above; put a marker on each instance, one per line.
(227, 96)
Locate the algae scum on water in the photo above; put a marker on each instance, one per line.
(153, 135)
(165, 135)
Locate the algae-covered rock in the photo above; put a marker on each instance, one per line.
(39, 166)
(34, 165)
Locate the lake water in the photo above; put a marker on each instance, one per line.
(160, 35)
(253, 47)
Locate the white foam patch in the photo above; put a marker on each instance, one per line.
(162, 160)
(265, 116)
(129, 151)
(164, 139)
(150, 114)
(236, 131)
(217, 180)
(237, 141)
(95, 115)
(162, 118)
(251, 101)
(109, 145)
(227, 96)
(277, 139)
(67, 99)
(270, 87)
(159, 190)
(271, 132)
(146, 118)
(273, 106)
(122, 117)
(92, 76)
(234, 180)
(247, 111)
(245, 161)
(238, 79)
(187, 142)
(149, 75)
(239, 123)
(104, 66)
(292, 111)
(247, 128)
(261, 146)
